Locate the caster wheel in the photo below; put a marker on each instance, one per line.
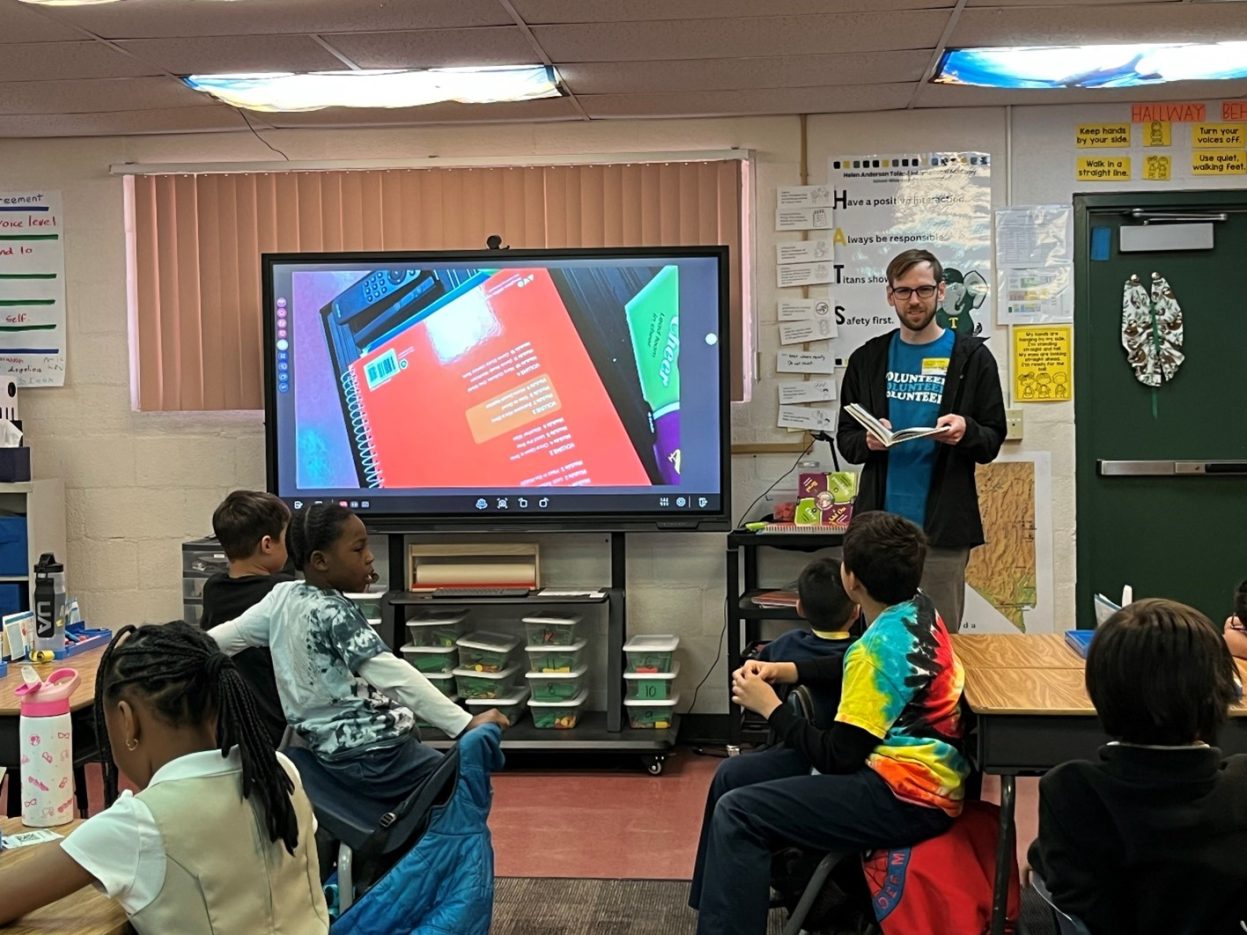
(654, 765)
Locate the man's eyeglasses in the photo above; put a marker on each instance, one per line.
(904, 293)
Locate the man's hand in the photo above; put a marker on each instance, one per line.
(750, 690)
(873, 443)
(956, 429)
(777, 673)
(492, 716)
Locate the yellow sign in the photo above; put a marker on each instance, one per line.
(1219, 135)
(1219, 162)
(1103, 169)
(1157, 168)
(1157, 133)
(1102, 135)
(1043, 364)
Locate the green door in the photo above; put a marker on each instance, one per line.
(1182, 536)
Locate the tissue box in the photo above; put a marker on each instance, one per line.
(826, 499)
(14, 464)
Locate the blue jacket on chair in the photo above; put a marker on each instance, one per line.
(444, 885)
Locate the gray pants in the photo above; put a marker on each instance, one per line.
(944, 581)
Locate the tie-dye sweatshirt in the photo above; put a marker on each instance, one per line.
(902, 684)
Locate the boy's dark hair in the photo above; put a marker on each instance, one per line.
(244, 518)
(902, 263)
(1158, 672)
(1240, 603)
(179, 671)
(886, 552)
(822, 595)
(314, 528)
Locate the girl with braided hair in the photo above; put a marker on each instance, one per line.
(351, 701)
(220, 837)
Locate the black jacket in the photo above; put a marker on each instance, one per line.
(226, 598)
(971, 390)
(1147, 841)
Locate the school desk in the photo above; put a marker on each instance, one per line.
(86, 912)
(1032, 713)
(81, 704)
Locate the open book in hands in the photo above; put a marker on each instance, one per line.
(885, 434)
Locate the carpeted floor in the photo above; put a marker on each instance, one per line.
(525, 906)
(551, 906)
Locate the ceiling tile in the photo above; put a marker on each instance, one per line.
(545, 12)
(169, 18)
(96, 96)
(1062, 3)
(225, 54)
(712, 74)
(746, 36)
(560, 108)
(768, 101)
(22, 23)
(89, 58)
(949, 95)
(437, 48)
(1146, 22)
(120, 123)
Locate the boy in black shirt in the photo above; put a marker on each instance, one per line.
(1150, 840)
(251, 527)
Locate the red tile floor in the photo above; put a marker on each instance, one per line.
(624, 823)
(615, 821)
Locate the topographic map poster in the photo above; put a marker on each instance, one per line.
(1009, 579)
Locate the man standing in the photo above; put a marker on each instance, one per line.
(920, 375)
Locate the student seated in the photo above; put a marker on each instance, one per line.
(251, 527)
(349, 699)
(1235, 629)
(832, 615)
(890, 769)
(219, 837)
(1150, 839)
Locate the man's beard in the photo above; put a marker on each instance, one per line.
(905, 322)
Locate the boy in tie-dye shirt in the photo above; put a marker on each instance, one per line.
(890, 771)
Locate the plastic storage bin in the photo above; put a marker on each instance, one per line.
(557, 715)
(369, 605)
(552, 629)
(512, 704)
(556, 686)
(651, 686)
(444, 682)
(650, 653)
(485, 651)
(434, 627)
(556, 658)
(649, 713)
(428, 659)
(474, 684)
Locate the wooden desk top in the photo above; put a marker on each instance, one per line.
(86, 912)
(1015, 651)
(84, 695)
(1024, 674)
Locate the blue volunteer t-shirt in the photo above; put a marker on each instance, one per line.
(916, 375)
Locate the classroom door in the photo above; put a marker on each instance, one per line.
(1180, 535)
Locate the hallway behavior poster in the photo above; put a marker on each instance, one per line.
(882, 205)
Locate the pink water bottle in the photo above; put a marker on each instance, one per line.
(47, 743)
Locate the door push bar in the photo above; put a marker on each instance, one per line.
(1170, 468)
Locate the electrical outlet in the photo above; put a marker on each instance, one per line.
(1013, 425)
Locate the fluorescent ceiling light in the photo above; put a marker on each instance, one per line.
(291, 92)
(1092, 66)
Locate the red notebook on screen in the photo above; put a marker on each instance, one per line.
(494, 389)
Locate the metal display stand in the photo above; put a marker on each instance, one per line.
(596, 731)
(744, 617)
